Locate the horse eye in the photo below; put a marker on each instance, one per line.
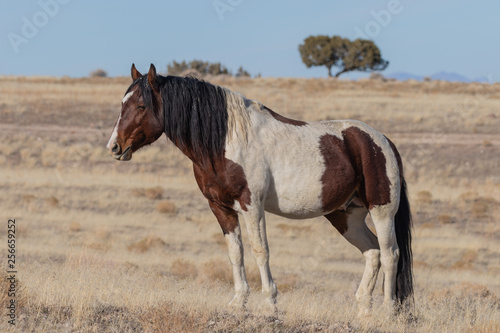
(141, 107)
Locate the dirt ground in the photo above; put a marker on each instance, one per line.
(103, 245)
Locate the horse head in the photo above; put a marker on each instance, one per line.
(140, 122)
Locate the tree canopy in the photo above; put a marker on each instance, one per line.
(203, 68)
(359, 55)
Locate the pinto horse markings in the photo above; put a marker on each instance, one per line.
(248, 159)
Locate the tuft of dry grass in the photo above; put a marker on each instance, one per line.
(482, 206)
(288, 283)
(184, 268)
(52, 202)
(444, 219)
(292, 229)
(102, 234)
(99, 246)
(424, 197)
(217, 270)
(428, 225)
(466, 260)
(137, 192)
(153, 193)
(27, 198)
(480, 209)
(146, 244)
(468, 196)
(75, 227)
(166, 207)
(487, 143)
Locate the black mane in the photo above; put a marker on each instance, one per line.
(195, 114)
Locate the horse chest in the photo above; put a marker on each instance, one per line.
(224, 184)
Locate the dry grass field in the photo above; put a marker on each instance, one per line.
(108, 246)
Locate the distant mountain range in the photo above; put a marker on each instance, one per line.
(443, 76)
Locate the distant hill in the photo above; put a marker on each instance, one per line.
(443, 76)
(452, 77)
(403, 76)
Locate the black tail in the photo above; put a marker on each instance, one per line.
(403, 225)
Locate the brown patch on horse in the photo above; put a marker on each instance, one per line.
(339, 179)
(339, 219)
(371, 164)
(283, 119)
(223, 184)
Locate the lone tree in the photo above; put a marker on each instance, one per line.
(359, 55)
(323, 51)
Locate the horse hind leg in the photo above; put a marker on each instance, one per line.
(351, 224)
(383, 219)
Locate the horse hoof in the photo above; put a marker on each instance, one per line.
(237, 304)
(364, 313)
(390, 308)
(269, 308)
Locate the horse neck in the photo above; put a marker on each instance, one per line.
(196, 118)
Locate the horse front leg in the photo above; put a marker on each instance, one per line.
(256, 227)
(228, 220)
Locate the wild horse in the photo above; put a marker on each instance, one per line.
(248, 159)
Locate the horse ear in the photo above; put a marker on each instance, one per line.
(152, 78)
(135, 73)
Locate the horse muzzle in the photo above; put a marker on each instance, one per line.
(119, 154)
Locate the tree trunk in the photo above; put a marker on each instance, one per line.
(342, 72)
(329, 71)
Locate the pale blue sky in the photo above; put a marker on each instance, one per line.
(420, 36)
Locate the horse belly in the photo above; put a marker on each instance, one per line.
(295, 195)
